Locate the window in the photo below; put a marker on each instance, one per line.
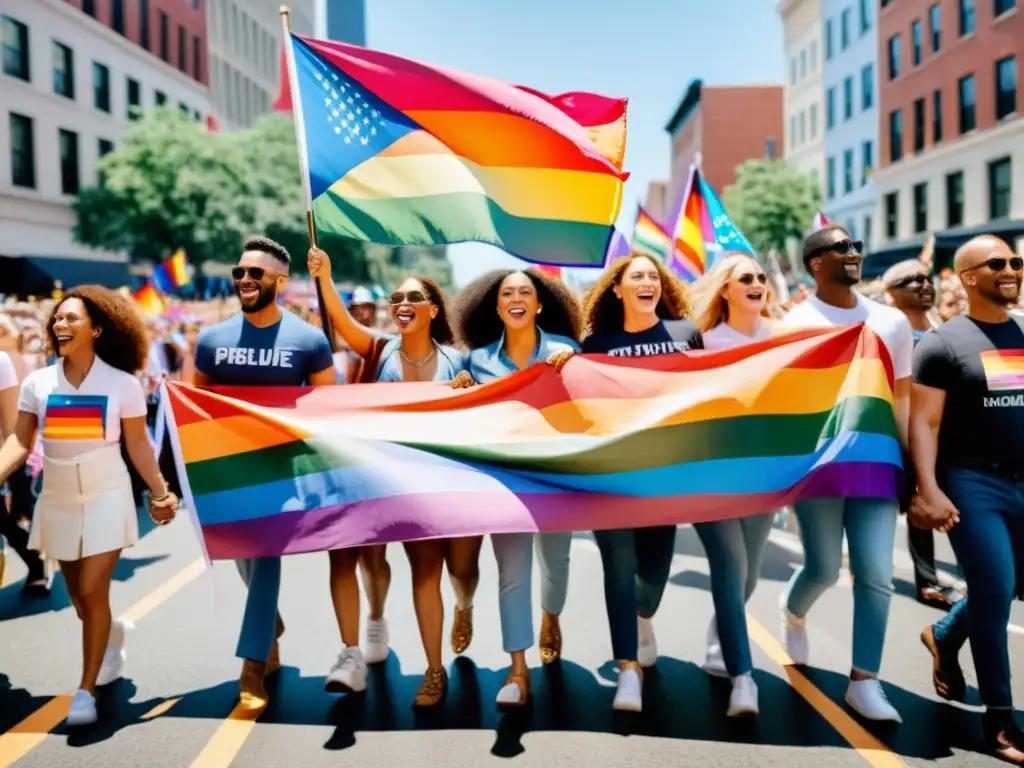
(955, 199)
(182, 48)
(1004, 6)
(814, 121)
(196, 57)
(769, 149)
(828, 40)
(915, 42)
(851, 227)
(814, 56)
(967, 104)
(847, 171)
(165, 53)
(23, 155)
(792, 131)
(105, 147)
(15, 44)
(196, 116)
(896, 136)
(894, 57)
(117, 16)
(867, 87)
(803, 127)
(160, 98)
(867, 154)
(865, 16)
(847, 98)
(100, 87)
(63, 70)
(144, 23)
(1000, 188)
(183, 107)
(966, 17)
(830, 108)
(921, 207)
(803, 63)
(892, 215)
(792, 71)
(1006, 87)
(89, 7)
(935, 22)
(937, 117)
(830, 177)
(68, 141)
(134, 99)
(867, 232)
(918, 126)
(844, 28)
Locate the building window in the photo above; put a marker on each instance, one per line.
(814, 121)
(954, 199)
(814, 56)
(867, 232)
(182, 49)
(68, 146)
(769, 149)
(915, 42)
(921, 207)
(23, 154)
(134, 99)
(867, 153)
(830, 108)
(144, 23)
(803, 127)
(847, 98)
(892, 215)
(63, 70)
(1004, 6)
(1000, 188)
(105, 147)
(165, 46)
(89, 7)
(792, 71)
(117, 16)
(160, 98)
(894, 57)
(935, 22)
(847, 171)
(865, 16)
(792, 131)
(1006, 87)
(183, 107)
(965, 87)
(896, 136)
(844, 28)
(828, 40)
(918, 126)
(966, 17)
(196, 58)
(867, 87)
(196, 116)
(16, 49)
(830, 177)
(196, 5)
(101, 87)
(937, 117)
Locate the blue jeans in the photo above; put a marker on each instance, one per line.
(870, 527)
(989, 545)
(514, 553)
(636, 566)
(259, 623)
(734, 550)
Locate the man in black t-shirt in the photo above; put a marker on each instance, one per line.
(967, 442)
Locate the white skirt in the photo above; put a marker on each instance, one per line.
(86, 506)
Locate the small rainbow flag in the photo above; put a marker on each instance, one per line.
(692, 230)
(649, 237)
(149, 300)
(172, 273)
(548, 269)
(1004, 369)
(75, 417)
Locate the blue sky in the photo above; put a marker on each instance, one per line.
(646, 50)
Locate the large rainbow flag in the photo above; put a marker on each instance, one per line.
(605, 443)
(404, 153)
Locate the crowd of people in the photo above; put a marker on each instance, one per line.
(955, 421)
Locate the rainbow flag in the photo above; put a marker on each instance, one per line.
(172, 273)
(548, 269)
(649, 237)
(149, 300)
(75, 417)
(606, 443)
(403, 153)
(1004, 369)
(692, 229)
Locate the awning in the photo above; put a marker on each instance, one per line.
(946, 244)
(35, 275)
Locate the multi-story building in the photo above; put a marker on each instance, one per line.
(657, 201)
(803, 111)
(73, 70)
(342, 20)
(951, 133)
(850, 81)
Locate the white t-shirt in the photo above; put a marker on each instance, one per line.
(724, 336)
(8, 376)
(889, 323)
(75, 421)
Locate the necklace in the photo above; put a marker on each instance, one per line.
(417, 363)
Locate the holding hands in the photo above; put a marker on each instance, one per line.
(933, 512)
(162, 509)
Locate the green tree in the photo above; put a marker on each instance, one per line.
(772, 202)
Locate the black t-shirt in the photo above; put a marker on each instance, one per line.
(666, 337)
(981, 368)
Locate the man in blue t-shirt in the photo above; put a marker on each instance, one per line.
(263, 346)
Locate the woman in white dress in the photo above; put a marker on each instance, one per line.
(82, 405)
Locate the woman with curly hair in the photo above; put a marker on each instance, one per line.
(422, 351)
(83, 405)
(537, 318)
(637, 308)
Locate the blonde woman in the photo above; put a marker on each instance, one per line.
(731, 308)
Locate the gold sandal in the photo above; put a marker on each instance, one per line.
(550, 639)
(462, 630)
(432, 689)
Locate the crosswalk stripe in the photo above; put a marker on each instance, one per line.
(229, 738)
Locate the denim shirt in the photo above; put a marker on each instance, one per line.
(489, 363)
(450, 362)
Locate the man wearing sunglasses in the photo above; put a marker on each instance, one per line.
(967, 441)
(869, 524)
(262, 346)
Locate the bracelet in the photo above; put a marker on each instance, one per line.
(159, 498)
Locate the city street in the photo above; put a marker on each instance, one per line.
(174, 707)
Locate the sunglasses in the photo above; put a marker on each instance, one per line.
(906, 282)
(407, 297)
(843, 248)
(998, 264)
(748, 279)
(256, 273)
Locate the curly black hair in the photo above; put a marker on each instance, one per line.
(603, 310)
(480, 325)
(123, 342)
(440, 327)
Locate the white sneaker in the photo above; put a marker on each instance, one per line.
(629, 692)
(114, 658)
(794, 635)
(743, 699)
(376, 641)
(647, 652)
(83, 709)
(714, 662)
(867, 699)
(348, 675)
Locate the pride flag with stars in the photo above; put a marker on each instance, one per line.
(403, 153)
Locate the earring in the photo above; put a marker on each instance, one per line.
(539, 310)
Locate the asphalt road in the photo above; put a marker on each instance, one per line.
(174, 707)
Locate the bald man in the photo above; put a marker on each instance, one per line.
(967, 443)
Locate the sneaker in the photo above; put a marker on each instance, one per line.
(376, 641)
(794, 636)
(348, 675)
(647, 652)
(714, 662)
(867, 699)
(743, 699)
(629, 691)
(114, 658)
(82, 710)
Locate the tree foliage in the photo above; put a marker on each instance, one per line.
(772, 202)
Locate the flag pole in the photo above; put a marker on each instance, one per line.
(300, 142)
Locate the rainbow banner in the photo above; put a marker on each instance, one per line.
(606, 443)
(403, 153)
(649, 237)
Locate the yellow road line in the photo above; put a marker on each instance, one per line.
(867, 746)
(160, 709)
(30, 732)
(228, 740)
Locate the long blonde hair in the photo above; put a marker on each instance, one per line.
(707, 294)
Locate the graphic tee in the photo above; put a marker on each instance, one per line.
(237, 353)
(980, 366)
(73, 421)
(665, 338)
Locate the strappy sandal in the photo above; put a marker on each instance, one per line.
(550, 639)
(462, 630)
(432, 689)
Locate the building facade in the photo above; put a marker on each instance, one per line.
(657, 201)
(803, 95)
(951, 136)
(73, 70)
(850, 82)
(342, 20)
